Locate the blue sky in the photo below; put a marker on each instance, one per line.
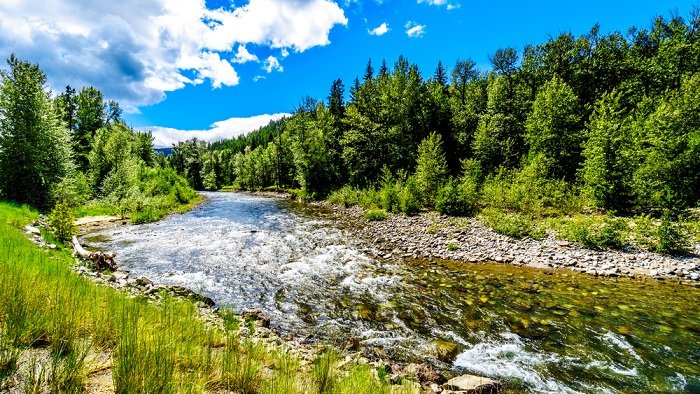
(178, 68)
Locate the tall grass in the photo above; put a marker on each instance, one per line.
(156, 348)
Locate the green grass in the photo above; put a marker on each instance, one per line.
(374, 215)
(156, 348)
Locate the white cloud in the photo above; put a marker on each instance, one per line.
(258, 77)
(165, 137)
(137, 50)
(414, 30)
(243, 56)
(284, 52)
(272, 64)
(379, 30)
(450, 6)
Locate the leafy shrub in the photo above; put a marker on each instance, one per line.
(457, 199)
(529, 191)
(513, 225)
(346, 196)
(410, 197)
(62, 222)
(673, 237)
(597, 234)
(373, 215)
(668, 235)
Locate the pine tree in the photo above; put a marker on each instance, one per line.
(34, 145)
(90, 116)
(431, 169)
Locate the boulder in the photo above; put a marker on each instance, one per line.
(472, 384)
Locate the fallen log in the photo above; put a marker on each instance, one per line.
(100, 261)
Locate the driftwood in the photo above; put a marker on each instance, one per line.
(100, 261)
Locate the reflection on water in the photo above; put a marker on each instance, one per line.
(539, 331)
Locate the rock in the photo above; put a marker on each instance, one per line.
(121, 275)
(143, 281)
(694, 276)
(31, 230)
(473, 384)
(257, 315)
(424, 373)
(446, 350)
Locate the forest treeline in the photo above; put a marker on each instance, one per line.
(73, 150)
(604, 121)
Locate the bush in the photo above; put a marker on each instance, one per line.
(596, 234)
(62, 222)
(373, 215)
(410, 197)
(673, 237)
(457, 199)
(346, 196)
(528, 191)
(512, 225)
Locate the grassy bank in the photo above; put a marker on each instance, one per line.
(59, 332)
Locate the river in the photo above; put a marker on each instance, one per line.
(537, 331)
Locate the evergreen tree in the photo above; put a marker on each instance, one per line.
(34, 145)
(67, 106)
(431, 168)
(90, 116)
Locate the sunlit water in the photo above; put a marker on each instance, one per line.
(537, 331)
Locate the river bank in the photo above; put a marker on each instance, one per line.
(430, 235)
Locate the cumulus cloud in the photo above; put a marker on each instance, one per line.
(272, 64)
(165, 137)
(243, 56)
(379, 30)
(414, 30)
(137, 50)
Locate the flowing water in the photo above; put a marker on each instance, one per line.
(537, 331)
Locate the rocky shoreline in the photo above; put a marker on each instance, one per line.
(430, 235)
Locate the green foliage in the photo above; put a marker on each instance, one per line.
(457, 199)
(410, 196)
(669, 151)
(607, 169)
(596, 232)
(514, 225)
(431, 168)
(62, 222)
(673, 237)
(529, 191)
(89, 117)
(324, 372)
(346, 196)
(374, 215)
(34, 146)
(553, 128)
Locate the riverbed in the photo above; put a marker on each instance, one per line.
(536, 330)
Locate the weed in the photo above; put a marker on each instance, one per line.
(373, 215)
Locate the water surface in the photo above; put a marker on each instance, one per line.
(538, 331)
